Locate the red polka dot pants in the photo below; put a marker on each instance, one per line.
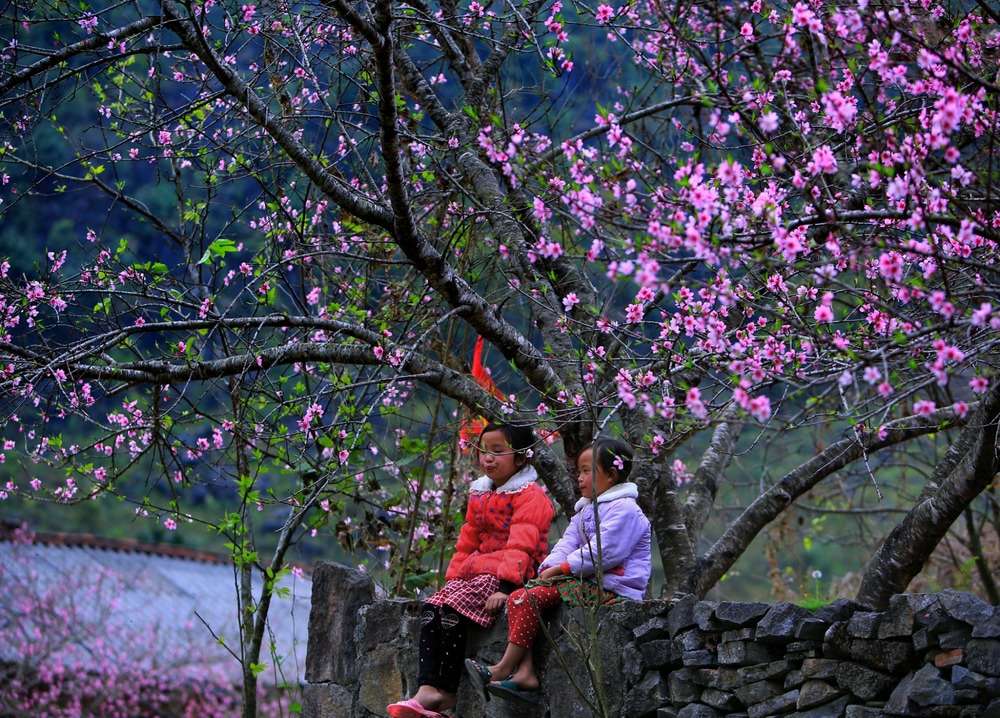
(524, 612)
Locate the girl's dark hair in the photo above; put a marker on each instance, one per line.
(606, 451)
(520, 438)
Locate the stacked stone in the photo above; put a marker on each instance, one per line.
(935, 655)
(926, 655)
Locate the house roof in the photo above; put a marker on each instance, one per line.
(159, 593)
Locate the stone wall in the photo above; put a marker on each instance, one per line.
(926, 655)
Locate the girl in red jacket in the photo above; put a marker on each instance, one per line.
(504, 537)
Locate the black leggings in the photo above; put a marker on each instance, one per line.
(442, 647)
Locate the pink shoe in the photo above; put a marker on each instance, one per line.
(411, 709)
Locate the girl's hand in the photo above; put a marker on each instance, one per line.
(551, 572)
(495, 602)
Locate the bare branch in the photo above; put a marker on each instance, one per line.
(737, 537)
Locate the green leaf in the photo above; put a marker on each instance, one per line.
(217, 250)
(258, 668)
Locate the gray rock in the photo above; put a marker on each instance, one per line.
(897, 621)
(695, 659)
(382, 678)
(664, 712)
(811, 629)
(736, 615)
(681, 687)
(862, 712)
(741, 653)
(784, 703)
(956, 638)
(967, 695)
(681, 614)
(325, 700)
(794, 679)
(737, 634)
(864, 624)
(921, 689)
(654, 629)
(802, 648)
(723, 700)
(839, 610)
(863, 682)
(815, 692)
(689, 640)
(758, 692)
(833, 709)
(835, 640)
(338, 592)
(983, 656)
(632, 663)
(780, 623)
(647, 696)
(942, 624)
(989, 628)
(703, 613)
(763, 671)
(656, 654)
(888, 656)
(697, 710)
(724, 679)
(819, 667)
(964, 679)
(965, 607)
(922, 640)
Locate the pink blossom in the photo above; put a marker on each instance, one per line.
(88, 22)
(694, 403)
(840, 110)
(760, 408)
(768, 122)
(680, 472)
(604, 14)
(890, 266)
(823, 161)
(979, 384)
(923, 407)
(570, 301)
(982, 315)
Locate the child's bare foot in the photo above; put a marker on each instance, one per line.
(525, 679)
(497, 673)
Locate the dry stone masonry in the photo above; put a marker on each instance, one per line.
(935, 655)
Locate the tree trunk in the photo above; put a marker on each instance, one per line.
(710, 473)
(908, 546)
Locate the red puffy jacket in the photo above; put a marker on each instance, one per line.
(506, 531)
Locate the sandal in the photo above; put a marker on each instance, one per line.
(411, 709)
(511, 691)
(480, 676)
